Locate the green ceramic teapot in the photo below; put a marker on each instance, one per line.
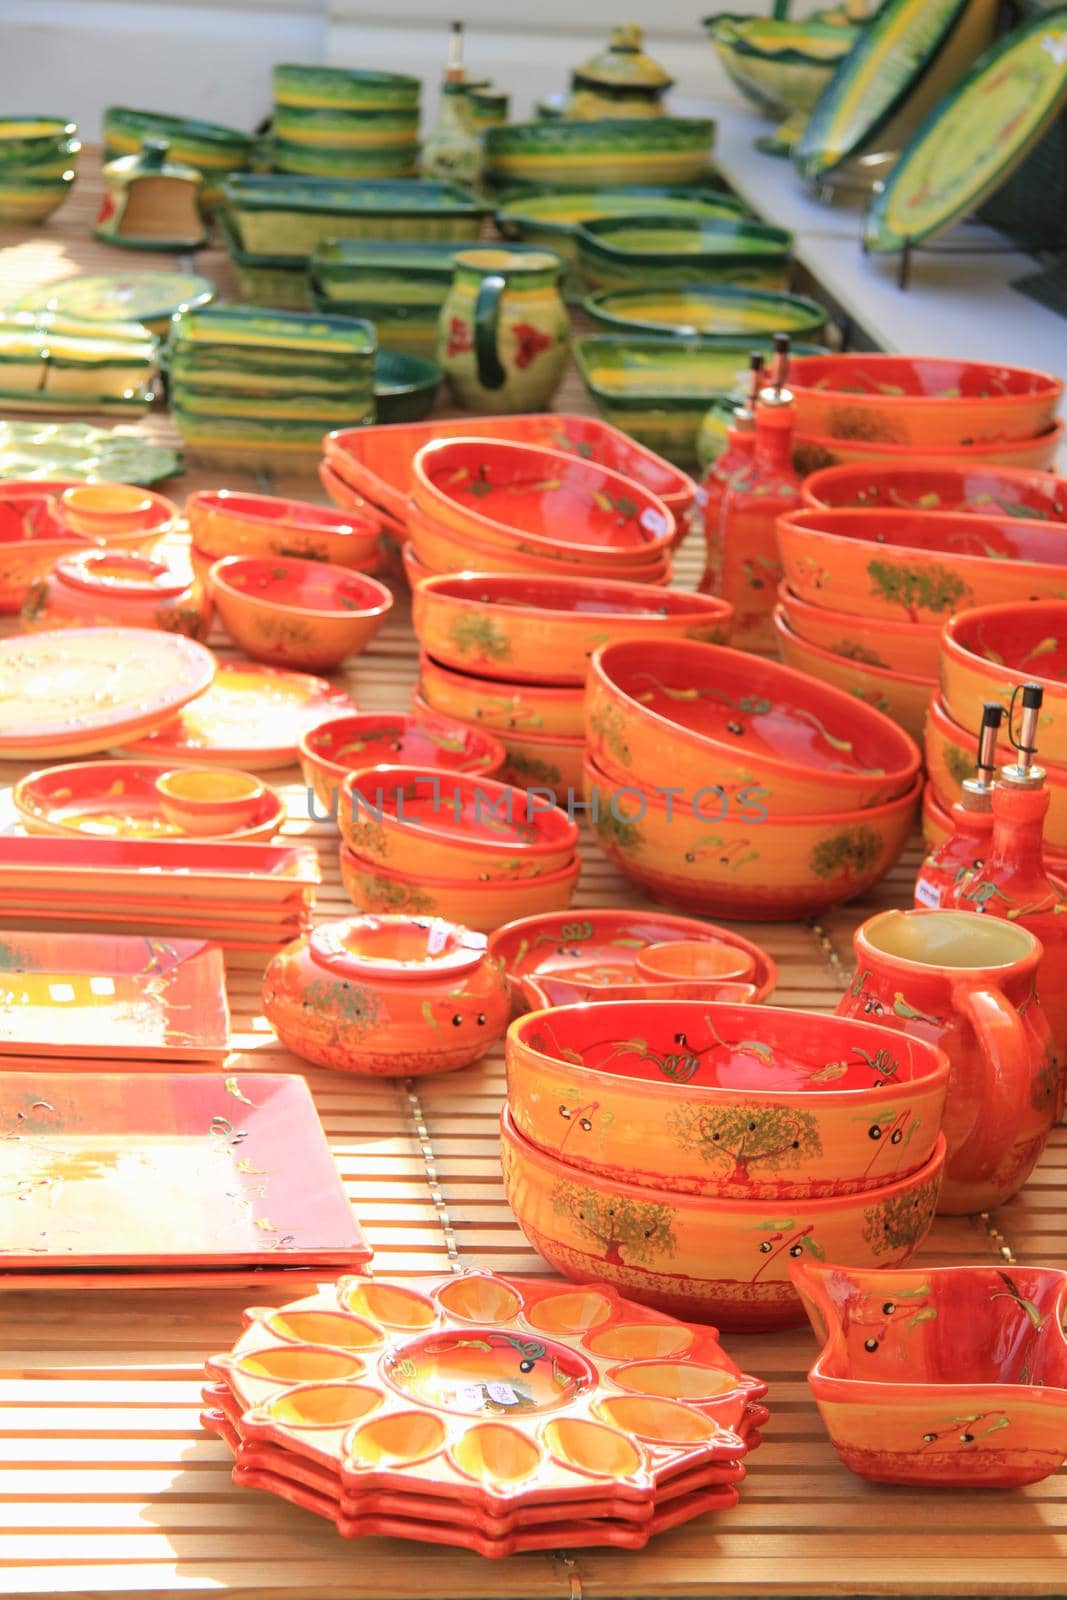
(504, 334)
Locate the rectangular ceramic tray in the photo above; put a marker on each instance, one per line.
(291, 215)
(277, 281)
(250, 330)
(76, 995)
(158, 869)
(149, 1170)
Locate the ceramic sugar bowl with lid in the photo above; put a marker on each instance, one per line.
(387, 996)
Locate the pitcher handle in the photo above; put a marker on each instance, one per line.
(1006, 1058)
(491, 373)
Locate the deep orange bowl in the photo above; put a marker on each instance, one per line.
(225, 523)
(481, 906)
(937, 486)
(443, 551)
(989, 653)
(950, 751)
(701, 717)
(532, 759)
(539, 708)
(812, 452)
(902, 696)
(329, 752)
(295, 613)
(892, 645)
(919, 400)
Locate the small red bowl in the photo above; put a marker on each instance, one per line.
(343, 745)
(306, 614)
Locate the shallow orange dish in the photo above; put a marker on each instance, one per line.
(343, 745)
(938, 486)
(297, 613)
(124, 800)
(501, 706)
(226, 523)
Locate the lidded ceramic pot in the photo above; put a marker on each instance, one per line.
(112, 588)
(151, 202)
(387, 996)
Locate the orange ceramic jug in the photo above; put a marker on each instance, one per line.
(968, 983)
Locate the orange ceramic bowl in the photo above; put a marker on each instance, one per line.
(726, 725)
(771, 870)
(950, 751)
(531, 759)
(500, 706)
(901, 696)
(118, 515)
(225, 523)
(433, 823)
(443, 551)
(394, 996)
(593, 954)
(919, 400)
(937, 486)
(913, 648)
(919, 566)
(694, 961)
(980, 1404)
(32, 539)
(989, 653)
(94, 587)
(544, 629)
(294, 613)
(343, 745)
(738, 1102)
(529, 498)
(710, 1260)
(811, 452)
(209, 800)
(482, 906)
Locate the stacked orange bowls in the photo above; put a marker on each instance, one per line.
(736, 787)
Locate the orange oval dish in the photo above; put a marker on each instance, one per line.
(225, 523)
(988, 653)
(536, 708)
(939, 486)
(949, 1376)
(887, 643)
(917, 400)
(387, 996)
(105, 588)
(297, 613)
(123, 800)
(344, 745)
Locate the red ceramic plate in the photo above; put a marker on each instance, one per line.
(156, 1169)
(75, 690)
(252, 717)
(76, 995)
(118, 800)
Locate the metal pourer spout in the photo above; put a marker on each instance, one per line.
(777, 394)
(978, 791)
(745, 413)
(1023, 773)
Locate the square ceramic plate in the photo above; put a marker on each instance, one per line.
(157, 871)
(153, 1170)
(69, 994)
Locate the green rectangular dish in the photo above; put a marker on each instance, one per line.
(285, 215)
(398, 286)
(279, 283)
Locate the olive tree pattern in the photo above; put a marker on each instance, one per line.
(930, 588)
(737, 1139)
(624, 1230)
(897, 1225)
(854, 851)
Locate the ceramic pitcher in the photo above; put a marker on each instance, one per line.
(968, 983)
(504, 334)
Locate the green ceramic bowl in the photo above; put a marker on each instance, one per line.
(706, 311)
(24, 200)
(53, 165)
(345, 161)
(780, 66)
(279, 283)
(290, 216)
(404, 386)
(657, 390)
(352, 130)
(208, 146)
(625, 252)
(343, 89)
(400, 287)
(28, 143)
(624, 150)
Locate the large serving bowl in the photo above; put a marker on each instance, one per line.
(343, 88)
(617, 252)
(502, 706)
(780, 65)
(305, 614)
(919, 401)
(333, 750)
(710, 1260)
(903, 696)
(482, 906)
(886, 643)
(989, 653)
(433, 823)
(722, 859)
(812, 452)
(543, 630)
(950, 752)
(951, 1376)
(736, 1102)
(705, 311)
(916, 564)
(526, 499)
(749, 734)
(592, 954)
(615, 150)
(937, 486)
(440, 553)
(223, 522)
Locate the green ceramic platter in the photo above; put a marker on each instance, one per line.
(291, 216)
(151, 298)
(404, 386)
(342, 89)
(620, 252)
(705, 311)
(976, 138)
(606, 151)
(872, 84)
(64, 450)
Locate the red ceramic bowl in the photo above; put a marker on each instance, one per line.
(527, 499)
(343, 745)
(890, 645)
(903, 696)
(531, 707)
(812, 452)
(33, 536)
(937, 486)
(294, 613)
(117, 515)
(919, 400)
(442, 551)
(225, 523)
(482, 906)
(989, 653)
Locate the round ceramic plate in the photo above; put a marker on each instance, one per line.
(149, 297)
(874, 81)
(118, 800)
(252, 717)
(73, 450)
(76, 690)
(969, 146)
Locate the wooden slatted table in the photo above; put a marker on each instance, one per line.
(108, 1485)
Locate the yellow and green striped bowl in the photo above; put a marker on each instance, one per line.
(345, 130)
(345, 161)
(343, 88)
(702, 310)
(28, 200)
(623, 150)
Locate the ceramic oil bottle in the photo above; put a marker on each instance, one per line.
(453, 151)
(740, 443)
(948, 868)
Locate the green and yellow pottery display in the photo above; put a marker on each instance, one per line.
(363, 130)
(37, 147)
(213, 149)
(151, 202)
(781, 66)
(624, 252)
(504, 333)
(713, 311)
(627, 150)
(151, 298)
(489, 107)
(26, 200)
(343, 88)
(290, 216)
(54, 363)
(400, 287)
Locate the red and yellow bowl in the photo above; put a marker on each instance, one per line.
(225, 523)
(296, 613)
(502, 707)
(343, 745)
(989, 653)
(481, 906)
(812, 452)
(902, 696)
(913, 648)
(532, 759)
(937, 486)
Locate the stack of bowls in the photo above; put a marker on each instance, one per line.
(429, 841)
(332, 750)
(988, 654)
(223, 522)
(736, 787)
(510, 653)
(332, 122)
(867, 591)
(38, 164)
(690, 1150)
